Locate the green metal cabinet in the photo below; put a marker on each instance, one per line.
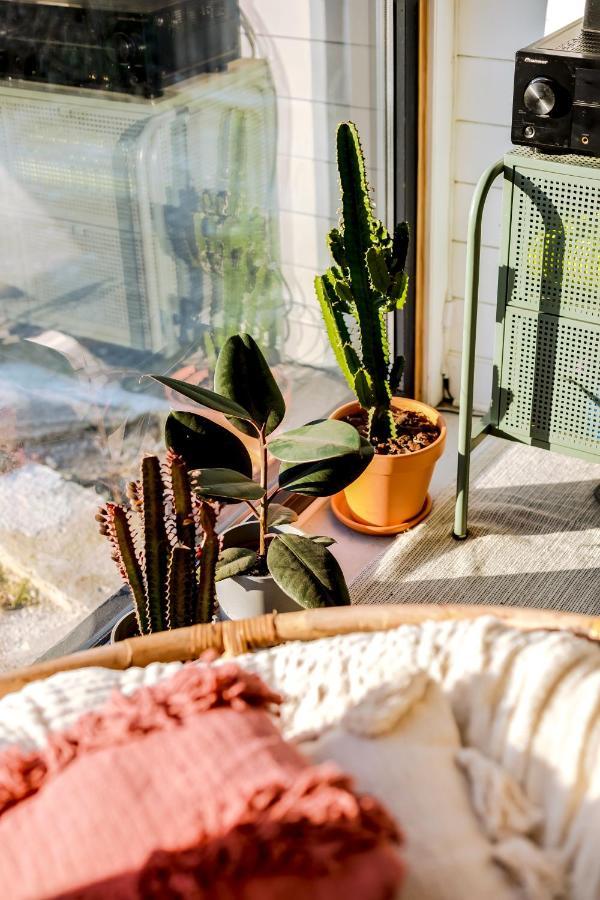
(546, 381)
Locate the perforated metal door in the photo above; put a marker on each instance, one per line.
(554, 261)
(548, 355)
(550, 377)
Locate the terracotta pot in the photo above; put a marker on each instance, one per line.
(244, 596)
(393, 489)
(126, 627)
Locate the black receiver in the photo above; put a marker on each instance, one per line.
(556, 103)
(133, 46)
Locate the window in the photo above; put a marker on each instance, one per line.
(149, 208)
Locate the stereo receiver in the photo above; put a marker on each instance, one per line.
(556, 104)
(131, 46)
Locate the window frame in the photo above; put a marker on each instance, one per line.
(401, 104)
(406, 31)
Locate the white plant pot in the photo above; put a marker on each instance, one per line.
(244, 596)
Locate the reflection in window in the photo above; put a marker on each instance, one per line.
(166, 188)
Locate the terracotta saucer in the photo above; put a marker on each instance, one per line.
(341, 511)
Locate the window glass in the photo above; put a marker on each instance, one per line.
(167, 178)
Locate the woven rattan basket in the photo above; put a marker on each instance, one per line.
(233, 638)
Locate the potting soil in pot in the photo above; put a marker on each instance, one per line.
(415, 431)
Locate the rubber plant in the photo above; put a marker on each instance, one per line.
(366, 282)
(318, 459)
(165, 545)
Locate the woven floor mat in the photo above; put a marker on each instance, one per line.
(534, 539)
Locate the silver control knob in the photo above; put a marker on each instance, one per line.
(539, 97)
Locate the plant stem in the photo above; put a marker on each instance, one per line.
(264, 503)
(252, 507)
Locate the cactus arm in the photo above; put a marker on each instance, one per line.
(378, 270)
(356, 205)
(182, 503)
(335, 242)
(337, 330)
(119, 531)
(363, 388)
(156, 545)
(205, 601)
(396, 374)
(398, 292)
(179, 587)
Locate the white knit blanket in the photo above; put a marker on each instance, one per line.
(529, 703)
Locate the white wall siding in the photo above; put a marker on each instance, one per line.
(487, 35)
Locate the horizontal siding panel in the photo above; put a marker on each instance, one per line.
(484, 90)
(482, 387)
(491, 224)
(486, 327)
(498, 30)
(488, 273)
(477, 146)
(350, 21)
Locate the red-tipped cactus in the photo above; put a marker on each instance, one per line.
(165, 545)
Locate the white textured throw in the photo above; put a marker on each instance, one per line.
(530, 703)
(534, 539)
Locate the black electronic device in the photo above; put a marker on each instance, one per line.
(556, 102)
(131, 46)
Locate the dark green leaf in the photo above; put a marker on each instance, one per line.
(225, 484)
(203, 444)
(307, 571)
(322, 539)
(277, 514)
(310, 443)
(205, 397)
(244, 377)
(234, 561)
(330, 476)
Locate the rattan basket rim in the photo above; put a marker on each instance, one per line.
(237, 637)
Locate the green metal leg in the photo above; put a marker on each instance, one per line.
(465, 421)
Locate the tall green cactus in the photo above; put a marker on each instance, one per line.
(366, 282)
(165, 546)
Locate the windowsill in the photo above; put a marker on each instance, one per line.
(355, 551)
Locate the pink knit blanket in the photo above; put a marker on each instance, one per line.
(187, 790)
